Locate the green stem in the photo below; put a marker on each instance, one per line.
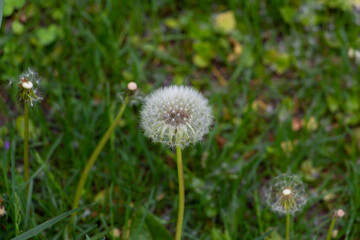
(332, 224)
(26, 142)
(181, 209)
(287, 225)
(95, 154)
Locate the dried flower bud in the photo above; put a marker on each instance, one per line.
(286, 193)
(176, 116)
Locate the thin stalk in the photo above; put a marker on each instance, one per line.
(26, 142)
(95, 154)
(287, 225)
(332, 224)
(181, 209)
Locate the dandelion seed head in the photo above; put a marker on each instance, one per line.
(339, 213)
(28, 80)
(132, 86)
(176, 116)
(286, 193)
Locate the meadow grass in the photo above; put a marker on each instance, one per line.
(289, 102)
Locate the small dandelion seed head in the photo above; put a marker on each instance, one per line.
(27, 82)
(286, 193)
(176, 116)
(132, 86)
(339, 213)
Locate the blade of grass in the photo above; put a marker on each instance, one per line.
(28, 205)
(1, 11)
(38, 229)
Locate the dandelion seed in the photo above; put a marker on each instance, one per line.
(286, 193)
(176, 116)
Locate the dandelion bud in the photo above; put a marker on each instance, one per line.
(286, 193)
(176, 116)
(27, 92)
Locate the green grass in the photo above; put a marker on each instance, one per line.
(294, 63)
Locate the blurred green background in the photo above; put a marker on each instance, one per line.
(282, 77)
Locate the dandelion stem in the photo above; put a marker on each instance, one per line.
(287, 225)
(332, 224)
(26, 142)
(181, 209)
(95, 154)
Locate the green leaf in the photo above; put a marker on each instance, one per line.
(38, 229)
(148, 228)
(280, 62)
(200, 61)
(332, 103)
(172, 23)
(205, 49)
(18, 3)
(352, 104)
(17, 27)
(46, 36)
(288, 14)
(8, 8)
(139, 230)
(157, 230)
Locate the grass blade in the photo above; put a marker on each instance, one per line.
(38, 229)
(1, 11)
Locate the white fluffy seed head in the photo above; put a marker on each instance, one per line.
(176, 116)
(28, 83)
(286, 193)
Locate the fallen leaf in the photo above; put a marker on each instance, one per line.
(237, 50)
(218, 75)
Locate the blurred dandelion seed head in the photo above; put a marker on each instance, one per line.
(132, 86)
(176, 116)
(339, 213)
(28, 81)
(286, 193)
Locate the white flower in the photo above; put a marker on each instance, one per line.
(176, 116)
(286, 193)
